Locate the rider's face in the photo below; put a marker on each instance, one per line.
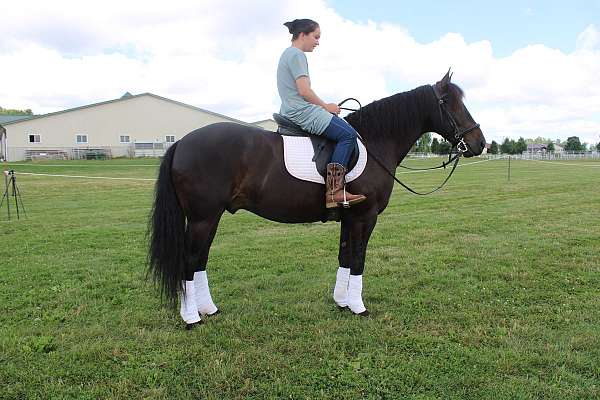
(311, 40)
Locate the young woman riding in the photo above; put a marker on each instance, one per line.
(301, 105)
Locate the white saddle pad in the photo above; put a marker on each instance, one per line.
(298, 153)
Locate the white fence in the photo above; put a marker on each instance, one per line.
(136, 149)
(563, 155)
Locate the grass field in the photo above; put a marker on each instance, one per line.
(487, 289)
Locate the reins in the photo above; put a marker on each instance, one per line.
(460, 146)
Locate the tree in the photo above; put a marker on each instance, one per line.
(8, 111)
(598, 146)
(573, 144)
(537, 140)
(494, 147)
(423, 144)
(445, 147)
(508, 146)
(520, 146)
(435, 146)
(550, 146)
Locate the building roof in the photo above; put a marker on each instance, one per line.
(264, 120)
(537, 146)
(125, 98)
(4, 119)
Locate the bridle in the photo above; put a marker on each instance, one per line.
(461, 146)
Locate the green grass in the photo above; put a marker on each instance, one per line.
(487, 289)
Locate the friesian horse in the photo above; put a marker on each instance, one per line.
(227, 167)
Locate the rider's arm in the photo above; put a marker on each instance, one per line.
(304, 89)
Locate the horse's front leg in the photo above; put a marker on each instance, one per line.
(361, 227)
(340, 291)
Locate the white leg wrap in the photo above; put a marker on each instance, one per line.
(355, 294)
(203, 298)
(188, 309)
(340, 291)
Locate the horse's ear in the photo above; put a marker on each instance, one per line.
(446, 79)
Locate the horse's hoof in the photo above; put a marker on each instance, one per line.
(341, 308)
(363, 314)
(215, 313)
(189, 327)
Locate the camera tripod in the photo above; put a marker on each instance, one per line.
(12, 190)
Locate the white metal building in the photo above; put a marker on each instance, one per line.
(140, 125)
(2, 143)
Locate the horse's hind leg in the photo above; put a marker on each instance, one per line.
(200, 238)
(196, 299)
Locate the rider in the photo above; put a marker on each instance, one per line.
(301, 105)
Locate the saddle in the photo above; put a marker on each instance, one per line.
(323, 147)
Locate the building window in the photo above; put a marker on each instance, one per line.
(34, 139)
(124, 139)
(170, 138)
(81, 139)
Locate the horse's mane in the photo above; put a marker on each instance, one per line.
(456, 92)
(399, 113)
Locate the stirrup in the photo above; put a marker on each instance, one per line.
(345, 203)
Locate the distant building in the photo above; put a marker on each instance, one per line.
(267, 124)
(2, 143)
(542, 148)
(133, 125)
(558, 148)
(537, 148)
(4, 119)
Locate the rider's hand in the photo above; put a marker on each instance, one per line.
(332, 108)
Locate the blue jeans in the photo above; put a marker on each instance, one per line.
(345, 136)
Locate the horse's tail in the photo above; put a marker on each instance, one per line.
(166, 230)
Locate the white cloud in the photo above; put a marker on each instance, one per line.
(589, 39)
(222, 55)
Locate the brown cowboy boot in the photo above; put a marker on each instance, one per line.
(335, 189)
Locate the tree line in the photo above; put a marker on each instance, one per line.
(426, 144)
(9, 111)
(509, 146)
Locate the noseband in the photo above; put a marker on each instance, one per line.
(461, 145)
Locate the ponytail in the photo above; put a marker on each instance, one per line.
(298, 26)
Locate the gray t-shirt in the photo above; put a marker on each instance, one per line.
(311, 117)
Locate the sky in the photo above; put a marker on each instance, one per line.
(528, 68)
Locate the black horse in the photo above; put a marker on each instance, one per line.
(228, 166)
